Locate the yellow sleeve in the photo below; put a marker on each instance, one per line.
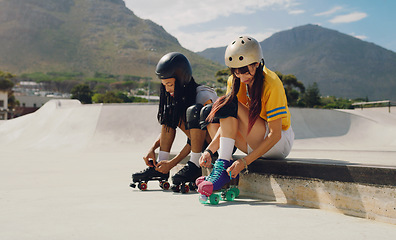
(229, 84)
(274, 101)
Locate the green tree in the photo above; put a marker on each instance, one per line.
(332, 102)
(83, 93)
(312, 96)
(97, 98)
(294, 89)
(6, 83)
(222, 75)
(111, 97)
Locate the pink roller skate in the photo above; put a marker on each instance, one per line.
(215, 182)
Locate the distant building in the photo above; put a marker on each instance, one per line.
(32, 101)
(31, 97)
(3, 105)
(30, 104)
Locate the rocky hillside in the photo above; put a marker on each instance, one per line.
(342, 65)
(85, 36)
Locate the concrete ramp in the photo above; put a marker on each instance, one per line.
(69, 125)
(317, 123)
(321, 135)
(365, 130)
(59, 124)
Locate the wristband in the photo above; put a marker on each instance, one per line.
(210, 152)
(245, 163)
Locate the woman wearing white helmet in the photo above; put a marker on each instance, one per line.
(253, 115)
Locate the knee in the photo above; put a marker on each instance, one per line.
(193, 116)
(204, 115)
(228, 110)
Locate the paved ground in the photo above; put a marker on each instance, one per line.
(65, 171)
(86, 196)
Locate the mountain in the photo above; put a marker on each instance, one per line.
(342, 65)
(85, 36)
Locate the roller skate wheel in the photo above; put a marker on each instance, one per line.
(214, 199)
(230, 195)
(184, 188)
(192, 186)
(164, 185)
(236, 191)
(175, 188)
(203, 198)
(142, 186)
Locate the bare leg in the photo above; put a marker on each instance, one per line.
(212, 130)
(167, 137)
(256, 134)
(197, 139)
(229, 127)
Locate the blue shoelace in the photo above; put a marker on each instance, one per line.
(216, 172)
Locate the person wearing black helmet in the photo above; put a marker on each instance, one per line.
(184, 104)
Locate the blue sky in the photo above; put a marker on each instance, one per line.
(213, 23)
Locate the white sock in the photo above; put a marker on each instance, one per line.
(194, 157)
(163, 156)
(226, 147)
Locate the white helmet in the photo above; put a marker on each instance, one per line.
(243, 51)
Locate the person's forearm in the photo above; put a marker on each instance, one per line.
(156, 144)
(179, 157)
(215, 143)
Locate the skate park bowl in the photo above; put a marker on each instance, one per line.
(342, 160)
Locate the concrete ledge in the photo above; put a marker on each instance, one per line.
(328, 171)
(356, 190)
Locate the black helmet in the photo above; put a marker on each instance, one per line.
(174, 65)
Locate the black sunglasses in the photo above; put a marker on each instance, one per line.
(241, 70)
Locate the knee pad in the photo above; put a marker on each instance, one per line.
(204, 115)
(229, 110)
(192, 116)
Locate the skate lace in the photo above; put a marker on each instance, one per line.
(145, 170)
(184, 169)
(216, 172)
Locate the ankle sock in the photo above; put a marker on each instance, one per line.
(226, 148)
(163, 156)
(194, 158)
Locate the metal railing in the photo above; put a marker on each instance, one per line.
(387, 103)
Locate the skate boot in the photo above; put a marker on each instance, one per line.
(147, 175)
(188, 174)
(214, 158)
(200, 180)
(218, 179)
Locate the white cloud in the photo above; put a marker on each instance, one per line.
(199, 41)
(352, 17)
(329, 12)
(296, 12)
(361, 37)
(173, 14)
(214, 38)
